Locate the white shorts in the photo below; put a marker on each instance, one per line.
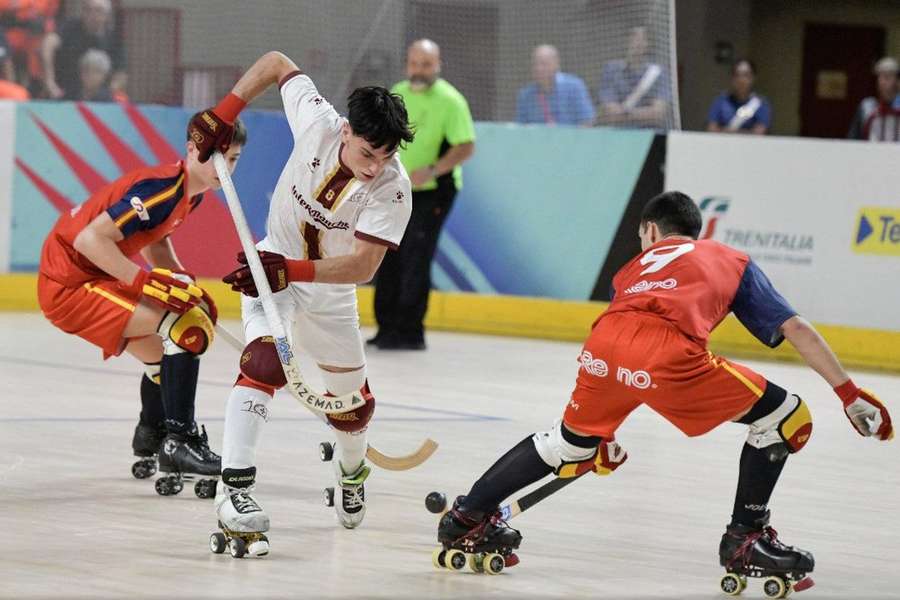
(323, 318)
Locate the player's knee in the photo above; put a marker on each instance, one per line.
(346, 382)
(192, 331)
(563, 450)
(261, 366)
(785, 426)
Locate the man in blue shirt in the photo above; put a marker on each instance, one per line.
(554, 97)
(634, 92)
(740, 110)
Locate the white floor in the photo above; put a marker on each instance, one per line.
(76, 524)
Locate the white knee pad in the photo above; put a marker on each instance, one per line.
(789, 424)
(556, 451)
(343, 383)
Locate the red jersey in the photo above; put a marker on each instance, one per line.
(694, 284)
(146, 205)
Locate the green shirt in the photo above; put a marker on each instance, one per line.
(439, 113)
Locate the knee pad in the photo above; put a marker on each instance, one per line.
(786, 428)
(261, 365)
(564, 451)
(339, 384)
(192, 331)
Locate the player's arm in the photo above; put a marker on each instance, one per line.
(162, 254)
(358, 267)
(97, 243)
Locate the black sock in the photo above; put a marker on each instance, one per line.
(152, 413)
(519, 467)
(179, 385)
(756, 481)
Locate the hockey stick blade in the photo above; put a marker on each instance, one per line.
(295, 383)
(378, 458)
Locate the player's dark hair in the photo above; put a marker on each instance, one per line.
(379, 117)
(240, 130)
(743, 61)
(673, 213)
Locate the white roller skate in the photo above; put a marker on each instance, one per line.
(242, 521)
(351, 506)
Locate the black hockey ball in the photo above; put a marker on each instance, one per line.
(436, 502)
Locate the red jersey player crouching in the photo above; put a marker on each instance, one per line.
(342, 200)
(89, 286)
(650, 347)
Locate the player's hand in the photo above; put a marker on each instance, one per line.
(867, 414)
(206, 301)
(280, 271)
(210, 133)
(610, 457)
(165, 289)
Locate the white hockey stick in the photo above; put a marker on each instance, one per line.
(295, 383)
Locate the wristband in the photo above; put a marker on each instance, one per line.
(229, 108)
(300, 270)
(847, 392)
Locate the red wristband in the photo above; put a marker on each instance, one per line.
(300, 270)
(847, 392)
(229, 108)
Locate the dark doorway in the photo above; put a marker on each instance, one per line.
(468, 66)
(837, 74)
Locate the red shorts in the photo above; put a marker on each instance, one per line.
(632, 359)
(97, 311)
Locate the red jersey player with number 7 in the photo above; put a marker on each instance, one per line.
(650, 347)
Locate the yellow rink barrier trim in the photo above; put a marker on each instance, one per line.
(545, 319)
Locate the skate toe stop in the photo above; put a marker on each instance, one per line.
(804, 584)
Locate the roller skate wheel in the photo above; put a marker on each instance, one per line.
(329, 496)
(326, 451)
(258, 548)
(217, 543)
(476, 562)
(437, 558)
(237, 547)
(775, 587)
(205, 488)
(493, 563)
(732, 584)
(162, 487)
(455, 560)
(143, 468)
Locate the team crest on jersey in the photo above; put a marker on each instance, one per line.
(139, 209)
(314, 164)
(317, 100)
(398, 199)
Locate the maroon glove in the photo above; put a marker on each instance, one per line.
(213, 128)
(280, 271)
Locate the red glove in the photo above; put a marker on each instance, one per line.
(866, 412)
(213, 128)
(163, 288)
(280, 271)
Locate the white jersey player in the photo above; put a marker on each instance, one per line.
(343, 199)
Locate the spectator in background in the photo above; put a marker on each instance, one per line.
(9, 89)
(634, 91)
(445, 138)
(740, 110)
(27, 23)
(554, 97)
(62, 51)
(93, 71)
(878, 118)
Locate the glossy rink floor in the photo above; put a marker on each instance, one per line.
(76, 524)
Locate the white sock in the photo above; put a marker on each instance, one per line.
(246, 411)
(351, 446)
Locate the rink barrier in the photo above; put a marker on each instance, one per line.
(543, 318)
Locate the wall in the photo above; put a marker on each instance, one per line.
(776, 41)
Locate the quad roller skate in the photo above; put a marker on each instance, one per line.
(242, 523)
(483, 541)
(351, 505)
(183, 456)
(145, 443)
(757, 552)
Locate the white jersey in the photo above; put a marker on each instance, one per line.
(318, 207)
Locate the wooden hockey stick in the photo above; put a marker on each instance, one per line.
(295, 382)
(379, 459)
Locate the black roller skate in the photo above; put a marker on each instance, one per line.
(184, 455)
(145, 443)
(482, 540)
(757, 552)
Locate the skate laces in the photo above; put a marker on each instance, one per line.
(200, 441)
(743, 551)
(353, 496)
(243, 502)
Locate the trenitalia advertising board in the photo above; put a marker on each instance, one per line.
(822, 218)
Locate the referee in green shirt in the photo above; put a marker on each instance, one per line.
(445, 137)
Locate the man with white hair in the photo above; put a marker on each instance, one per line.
(93, 71)
(63, 50)
(878, 118)
(553, 98)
